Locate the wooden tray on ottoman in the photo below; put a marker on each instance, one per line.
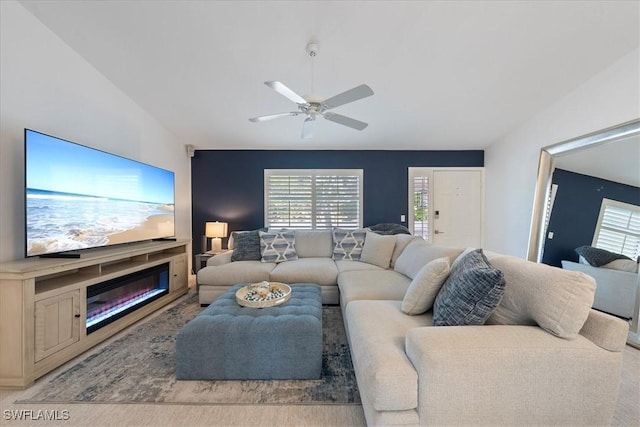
(279, 293)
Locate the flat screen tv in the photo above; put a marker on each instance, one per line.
(78, 197)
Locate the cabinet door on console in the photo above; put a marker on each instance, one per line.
(57, 323)
(179, 276)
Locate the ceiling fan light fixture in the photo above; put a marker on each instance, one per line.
(307, 127)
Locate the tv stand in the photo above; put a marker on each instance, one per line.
(43, 304)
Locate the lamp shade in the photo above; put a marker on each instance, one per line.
(215, 229)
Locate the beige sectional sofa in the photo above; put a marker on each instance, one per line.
(543, 357)
(616, 289)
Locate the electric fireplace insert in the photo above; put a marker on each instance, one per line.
(113, 299)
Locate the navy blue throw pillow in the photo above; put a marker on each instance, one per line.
(471, 293)
(598, 257)
(246, 245)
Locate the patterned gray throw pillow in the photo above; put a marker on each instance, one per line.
(246, 245)
(470, 294)
(348, 244)
(278, 246)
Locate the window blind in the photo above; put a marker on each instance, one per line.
(618, 228)
(316, 199)
(421, 206)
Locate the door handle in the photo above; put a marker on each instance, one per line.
(438, 232)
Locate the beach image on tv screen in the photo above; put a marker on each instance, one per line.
(78, 197)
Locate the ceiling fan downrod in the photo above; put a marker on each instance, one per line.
(312, 51)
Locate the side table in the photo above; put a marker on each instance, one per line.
(201, 259)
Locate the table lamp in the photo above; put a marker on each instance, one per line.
(214, 230)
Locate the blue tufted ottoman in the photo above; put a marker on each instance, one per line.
(229, 342)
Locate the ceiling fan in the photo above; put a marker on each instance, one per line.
(312, 106)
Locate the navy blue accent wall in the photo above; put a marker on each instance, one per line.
(575, 212)
(228, 185)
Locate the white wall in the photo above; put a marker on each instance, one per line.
(48, 87)
(609, 98)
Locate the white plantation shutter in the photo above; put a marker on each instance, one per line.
(337, 201)
(618, 228)
(547, 215)
(316, 199)
(421, 206)
(290, 201)
(550, 201)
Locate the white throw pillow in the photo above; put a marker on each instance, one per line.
(377, 249)
(402, 240)
(425, 286)
(418, 253)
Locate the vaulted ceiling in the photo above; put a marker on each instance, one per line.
(446, 75)
(618, 161)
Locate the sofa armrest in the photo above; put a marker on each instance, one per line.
(615, 290)
(605, 330)
(502, 375)
(220, 259)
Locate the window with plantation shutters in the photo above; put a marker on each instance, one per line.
(420, 192)
(550, 201)
(618, 228)
(315, 199)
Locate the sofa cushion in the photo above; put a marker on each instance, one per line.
(322, 271)
(377, 249)
(245, 245)
(314, 243)
(402, 240)
(278, 246)
(377, 332)
(236, 272)
(372, 284)
(419, 253)
(355, 266)
(425, 286)
(220, 259)
(623, 265)
(557, 300)
(347, 244)
(470, 294)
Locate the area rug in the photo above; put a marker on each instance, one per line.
(139, 368)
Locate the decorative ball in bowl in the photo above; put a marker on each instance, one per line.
(263, 294)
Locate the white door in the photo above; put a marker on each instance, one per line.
(457, 208)
(446, 206)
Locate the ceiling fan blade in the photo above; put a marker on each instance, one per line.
(273, 116)
(286, 92)
(346, 121)
(307, 128)
(351, 95)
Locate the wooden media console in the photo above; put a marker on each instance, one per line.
(43, 303)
